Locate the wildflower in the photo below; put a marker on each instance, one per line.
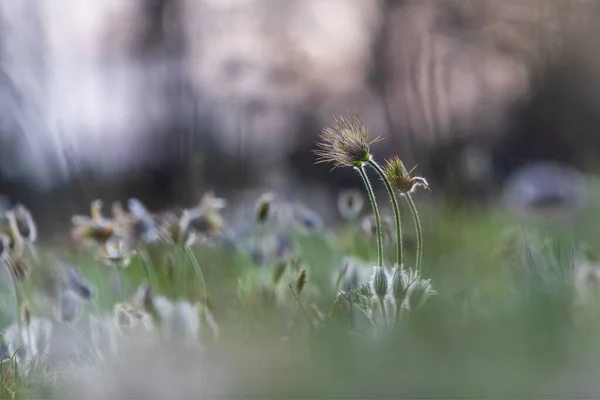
(136, 226)
(350, 204)
(77, 284)
(16, 259)
(264, 207)
(306, 220)
(64, 288)
(379, 282)
(420, 290)
(96, 229)
(210, 204)
(169, 227)
(345, 143)
(400, 178)
(113, 251)
(22, 224)
(205, 219)
(57, 277)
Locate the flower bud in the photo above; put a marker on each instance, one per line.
(400, 285)
(380, 282)
(419, 292)
(264, 207)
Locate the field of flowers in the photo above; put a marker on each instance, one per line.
(403, 298)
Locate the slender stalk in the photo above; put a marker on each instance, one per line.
(365, 178)
(148, 267)
(310, 324)
(121, 271)
(394, 201)
(18, 295)
(383, 311)
(198, 274)
(415, 213)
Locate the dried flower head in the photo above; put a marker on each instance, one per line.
(400, 178)
(346, 143)
(350, 204)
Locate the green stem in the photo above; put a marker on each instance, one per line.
(18, 296)
(121, 271)
(383, 311)
(394, 201)
(365, 178)
(148, 267)
(415, 213)
(198, 273)
(310, 324)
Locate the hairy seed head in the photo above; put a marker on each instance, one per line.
(400, 178)
(346, 143)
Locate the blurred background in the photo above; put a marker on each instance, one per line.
(165, 99)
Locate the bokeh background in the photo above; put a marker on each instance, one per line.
(165, 99)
